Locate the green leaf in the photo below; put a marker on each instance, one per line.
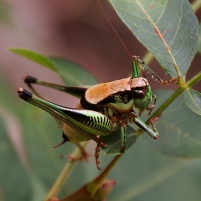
(192, 99)
(15, 168)
(168, 29)
(71, 73)
(34, 56)
(179, 129)
(12, 172)
(114, 141)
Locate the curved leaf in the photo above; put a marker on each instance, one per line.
(168, 29)
(192, 99)
(12, 171)
(72, 73)
(179, 129)
(34, 56)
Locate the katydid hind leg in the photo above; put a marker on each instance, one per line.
(94, 123)
(72, 90)
(76, 119)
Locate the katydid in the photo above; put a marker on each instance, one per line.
(102, 108)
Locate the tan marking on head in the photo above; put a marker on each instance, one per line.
(138, 82)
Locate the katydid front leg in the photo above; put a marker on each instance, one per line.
(152, 132)
(123, 136)
(152, 120)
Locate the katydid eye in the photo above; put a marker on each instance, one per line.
(138, 94)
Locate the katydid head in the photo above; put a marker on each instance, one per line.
(142, 97)
(141, 92)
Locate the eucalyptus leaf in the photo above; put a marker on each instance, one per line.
(71, 73)
(192, 99)
(168, 29)
(13, 173)
(34, 56)
(179, 129)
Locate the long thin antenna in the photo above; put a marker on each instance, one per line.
(117, 35)
(134, 57)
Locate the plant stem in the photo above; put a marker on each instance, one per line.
(182, 87)
(194, 80)
(63, 175)
(94, 184)
(196, 5)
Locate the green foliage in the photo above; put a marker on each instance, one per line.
(168, 29)
(66, 69)
(192, 99)
(179, 128)
(34, 56)
(35, 165)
